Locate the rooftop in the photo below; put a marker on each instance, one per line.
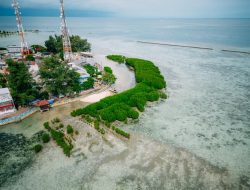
(4, 91)
(5, 95)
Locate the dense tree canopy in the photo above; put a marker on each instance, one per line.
(88, 84)
(79, 44)
(58, 78)
(3, 81)
(21, 84)
(55, 44)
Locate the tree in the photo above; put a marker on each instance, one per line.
(38, 48)
(55, 44)
(90, 69)
(3, 81)
(21, 84)
(88, 84)
(79, 44)
(30, 58)
(45, 138)
(37, 148)
(108, 78)
(58, 78)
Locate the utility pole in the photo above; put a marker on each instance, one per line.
(67, 50)
(24, 45)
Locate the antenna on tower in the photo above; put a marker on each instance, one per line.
(67, 50)
(24, 44)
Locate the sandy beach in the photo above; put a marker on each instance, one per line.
(96, 97)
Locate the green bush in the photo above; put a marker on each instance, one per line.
(37, 148)
(45, 138)
(70, 129)
(46, 126)
(61, 126)
(108, 70)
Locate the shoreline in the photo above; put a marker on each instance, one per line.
(19, 118)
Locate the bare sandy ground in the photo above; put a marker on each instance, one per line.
(96, 97)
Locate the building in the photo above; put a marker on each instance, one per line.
(14, 51)
(44, 105)
(6, 102)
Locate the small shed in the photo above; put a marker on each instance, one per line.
(44, 105)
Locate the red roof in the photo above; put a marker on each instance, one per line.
(42, 103)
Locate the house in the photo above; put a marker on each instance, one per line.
(44, 105)
(14, 51)
(6, 102)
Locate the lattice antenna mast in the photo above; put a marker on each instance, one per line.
(24, 44)
(67, 50)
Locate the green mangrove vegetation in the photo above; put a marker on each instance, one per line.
(127, 104)
(60, 139)
(117, 58)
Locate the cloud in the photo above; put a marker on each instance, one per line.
(150, 8)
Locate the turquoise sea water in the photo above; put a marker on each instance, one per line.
(208, 111)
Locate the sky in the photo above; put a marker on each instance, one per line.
(134, 8)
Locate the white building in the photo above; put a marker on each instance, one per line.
(6, 102)
(14, 51)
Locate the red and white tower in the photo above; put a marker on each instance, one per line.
(67, 50)
(24, 44)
